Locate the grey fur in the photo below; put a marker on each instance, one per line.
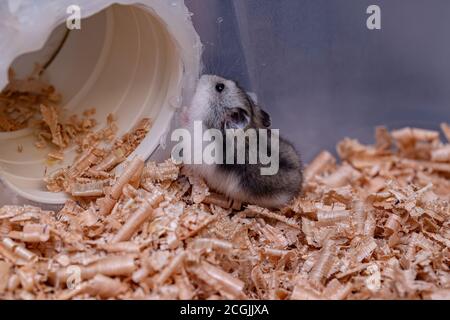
(233, 108)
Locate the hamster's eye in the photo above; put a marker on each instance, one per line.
(220, 87)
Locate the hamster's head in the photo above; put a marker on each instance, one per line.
(222, 104)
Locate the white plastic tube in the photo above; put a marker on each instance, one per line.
(134, 59)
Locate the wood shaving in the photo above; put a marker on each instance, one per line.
(322, 162)
(199, 189)
(21, 100)
(91, 173)
(375, 226)
(33, 103)
(446, 130)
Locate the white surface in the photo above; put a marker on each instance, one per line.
(135, 61)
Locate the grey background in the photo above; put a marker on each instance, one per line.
(322, 74)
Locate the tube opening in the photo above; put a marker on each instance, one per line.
(123, 61)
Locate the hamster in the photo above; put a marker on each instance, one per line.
(221, 104)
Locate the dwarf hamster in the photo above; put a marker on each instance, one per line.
(222, 104)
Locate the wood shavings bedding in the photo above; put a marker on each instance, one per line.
(33, 103)
(91, 173)
(375, 226)
(21, 99)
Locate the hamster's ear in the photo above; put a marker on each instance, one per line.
(237, 118)
(265, 118)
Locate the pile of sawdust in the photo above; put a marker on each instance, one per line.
(32, 103)
(375, 226)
